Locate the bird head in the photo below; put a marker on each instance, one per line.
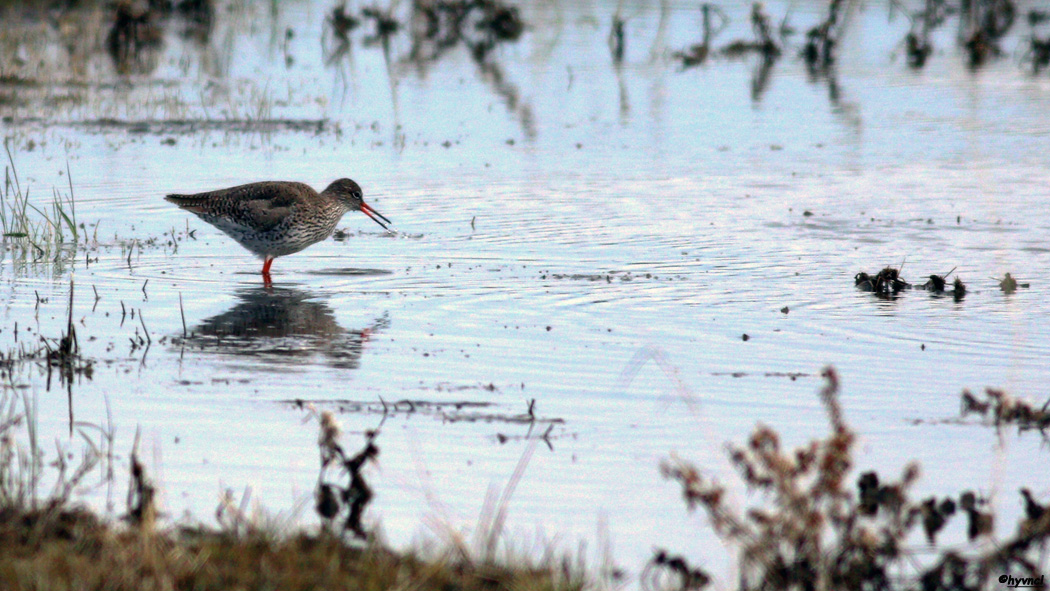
(349, 194)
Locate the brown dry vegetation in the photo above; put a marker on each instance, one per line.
(51, 543)
(72, 549)
(816, 531)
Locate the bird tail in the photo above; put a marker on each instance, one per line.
(190, 202)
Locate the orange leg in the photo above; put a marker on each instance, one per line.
(266, 267)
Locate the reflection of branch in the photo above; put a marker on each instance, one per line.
(616, 39)
(822, 39)
(134, 39)
(511, 96)
(763, 44)
(760, 78)
(625, 100)
(385, 25)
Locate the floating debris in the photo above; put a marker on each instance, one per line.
(1009, 285)
(935, 284)
(938, 283)
(885, 281)
(184, 126)
(1004, 408)
(454, 411)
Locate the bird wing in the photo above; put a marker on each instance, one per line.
(255, 206)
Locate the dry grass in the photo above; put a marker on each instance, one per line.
(49, 543)
(73, 549)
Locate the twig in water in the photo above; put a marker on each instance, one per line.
(142, 321)
(546, 437)
(183, 314)
(71, 332)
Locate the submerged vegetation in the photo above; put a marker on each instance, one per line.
(889, 282)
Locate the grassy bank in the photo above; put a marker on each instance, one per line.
(49, 542)
(61, 548)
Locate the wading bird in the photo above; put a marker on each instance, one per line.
(278, 218)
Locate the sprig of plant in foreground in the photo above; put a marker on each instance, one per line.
(816, 533)
(24, 224)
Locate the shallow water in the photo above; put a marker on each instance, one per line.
(594, 238)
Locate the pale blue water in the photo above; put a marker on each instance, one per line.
(596, 239)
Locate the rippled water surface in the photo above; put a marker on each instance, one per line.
(596, 238)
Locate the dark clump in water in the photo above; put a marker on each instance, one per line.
(819, 51)
(885, 281)
(1033, 510)
(1039, 54)
(987, 22)
(937, 284)
(1003, 408)
(341, 22)
(917, 42)
(1009, 285)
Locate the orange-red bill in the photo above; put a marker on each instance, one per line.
(375, 215)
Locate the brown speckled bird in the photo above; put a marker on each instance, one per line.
(277, 218)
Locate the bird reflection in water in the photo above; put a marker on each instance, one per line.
(284, 326)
